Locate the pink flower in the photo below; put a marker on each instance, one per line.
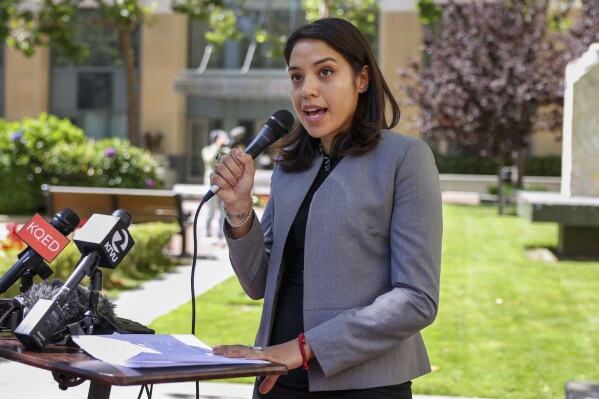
(110, 152)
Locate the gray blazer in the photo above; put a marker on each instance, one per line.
(372, 263)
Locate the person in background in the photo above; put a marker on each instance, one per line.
(236, 135)
(347, 253)
(219, 139)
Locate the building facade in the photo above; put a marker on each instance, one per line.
(185, 89)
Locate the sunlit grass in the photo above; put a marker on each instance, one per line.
(508, 326)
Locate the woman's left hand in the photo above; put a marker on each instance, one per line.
(287, 353)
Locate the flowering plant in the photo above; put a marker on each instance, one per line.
(12, 240)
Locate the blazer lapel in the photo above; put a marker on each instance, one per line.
(292, 188)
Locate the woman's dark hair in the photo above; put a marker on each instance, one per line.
(298, 149)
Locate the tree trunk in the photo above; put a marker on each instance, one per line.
(132, 100)
(500, 194)
(520, 167)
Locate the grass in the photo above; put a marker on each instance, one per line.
(508, 326)
(224, 315)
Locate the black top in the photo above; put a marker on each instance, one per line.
(289, 321)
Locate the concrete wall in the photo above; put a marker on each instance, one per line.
(26, 83)
(163, 55)
(481, 183)
(400, 38)
(449, 182)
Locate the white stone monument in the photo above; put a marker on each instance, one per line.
(576, 207)
(580, 151)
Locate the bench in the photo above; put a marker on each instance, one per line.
(143, 205)
(195, 192)
(577, 217)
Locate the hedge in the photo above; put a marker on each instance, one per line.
(50, 150)
(549, 165)
(146, 259)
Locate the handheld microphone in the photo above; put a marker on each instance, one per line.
(276, 126)
(103, 241)
(45, 241)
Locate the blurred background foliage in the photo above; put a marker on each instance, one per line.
(50, 150)
(148, 258)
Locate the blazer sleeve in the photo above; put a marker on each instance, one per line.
(249, 255)
(359, 334)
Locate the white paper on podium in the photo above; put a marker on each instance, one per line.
(153, 350)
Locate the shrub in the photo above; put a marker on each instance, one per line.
(147, 257)
(105, 163)
(23, 146)
(49, 150)
(463, 164)
(548, 165)
(145, 260)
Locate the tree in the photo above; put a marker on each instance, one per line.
(124, 17)
(491, 70)
(223, 17)
(56, 22)
(583, 32)
(362, 13)
(26, 28)
(7, 10)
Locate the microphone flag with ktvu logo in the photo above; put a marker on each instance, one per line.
(106, 234)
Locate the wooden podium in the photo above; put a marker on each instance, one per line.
(71, 365)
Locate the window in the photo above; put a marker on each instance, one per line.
(279, 19)
(92, 91)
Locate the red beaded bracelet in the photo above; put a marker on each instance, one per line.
(302, 341)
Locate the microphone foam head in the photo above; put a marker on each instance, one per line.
(124, 216)
(75, 306)
(284, 119)
(65, 221)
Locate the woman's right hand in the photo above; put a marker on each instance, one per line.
(235, 177)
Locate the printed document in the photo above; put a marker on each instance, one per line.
(153, 350)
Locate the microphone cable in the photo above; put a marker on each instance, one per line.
(193, 300)
(274, 128)
(193, 269)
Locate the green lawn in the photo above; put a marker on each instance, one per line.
(508, 326)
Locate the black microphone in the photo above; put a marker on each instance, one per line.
(276, 126)
(103, 241)
(65, 222)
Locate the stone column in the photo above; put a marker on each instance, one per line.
(163, 113)
(400, 40)
(27, 83)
